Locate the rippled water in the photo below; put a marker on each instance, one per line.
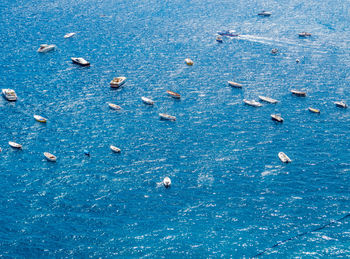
(231, 196)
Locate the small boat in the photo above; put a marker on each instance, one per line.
(167, 117)
(234, 84)
(147, 100)
(219, 39)
(314, 110)
(86, 152)
(68, 35)
(167, 182)
(267, 99)
(117, 81)
(40, 118)
(276, 117)
(9, 94)
(297, 61)
(114, 106)
(304, 34)
(115, 149)
(284, 158)
(252, 103)
(274, 51)
(298, 93)
(0, 149)
(341, 104)
(46, 48)
(173, 94)
(50, 157)
(15, 145)
(264, 13)
(80, 61)
(188, 61)
(230, 33)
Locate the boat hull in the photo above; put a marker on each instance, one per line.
(50, 157)
(115, 149)
(147, 100)
(9, 97)
(341, 104)
(114, 106)
(298, 93)
(15, 145)
(81, 62)
(40, 118)
(284, 158)
(252, 103)
(168, 117)
(267, 99)
(276, 118)
(313, 110)
(174, 95)
(234, 84)
(166, 182)
(117, 82)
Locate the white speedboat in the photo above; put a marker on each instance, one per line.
(50, 157)
(314, 110)
(69, 35)
(9, 94)
(40, 118)
(173, 94)
(267, 99)
(234, 84)
(168, 117)
(252, 103)
(298, 93)
(264, 13)
(276, 117)
(304, 34)
(341, 104)
(46, 48)
(80, 61)
(188, 61)
(147, 100)
(115, 149)
(114, 106)
(15, 145)
(167, 182)
(230, 33)
(117, 81)
(284, 158)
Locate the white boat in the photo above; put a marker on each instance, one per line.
(234, 84)
(9, 94)
(50, 157)
(40, 118)
(274, 51)
(298, 93)
(304, 34)
(252, 103)
(264, 13)
(80, 61)
(117, 81)
(15, 145)
(284, 158)
(167, 117)
(341, 104)
(167, 182)
(314, 110)
(46, 48)
(276, 117)
(267, 99)
(114, 149)
(114, 106)
(147, 100)
(68, 35)
(188, 61)
(219, 38)
(173, 94)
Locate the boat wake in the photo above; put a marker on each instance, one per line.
(267, 41)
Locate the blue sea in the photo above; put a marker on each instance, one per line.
(231, 196)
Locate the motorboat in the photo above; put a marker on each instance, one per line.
(276, 117)
(219, 39)
(298, 93)
(166, 182)
(114, 106)
(188, 61)
(50, 157)
(274, 51)
(284, 158)
(234, 84)
(341, 104)
(173, 94)
(265, 13)
(86, 152)
(314, 110)
(80, 61)
(9, 94)
(230, 33)
(46, 48)
(115, 149)
(304, 34)
(117, 81)
(40, 118)
(147, 100)
(252, 103)
(267, 99)
(69, 35)
(15, 145)
(168, 117)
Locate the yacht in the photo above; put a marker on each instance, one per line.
(147, 100)
(15, 145)
(267, 99)
(341, 104)
(276, 117)
(9, 94)
(40, 118)
(69, 35)
(115, 149)
(284, 158)
(167, 182)
(298, 93)
(173, 94)
(46, 48)
(252, 103)
(117, 82)
(230, 33)
(167, 117)
(114, 106)
(80, 61)
(234, 84)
